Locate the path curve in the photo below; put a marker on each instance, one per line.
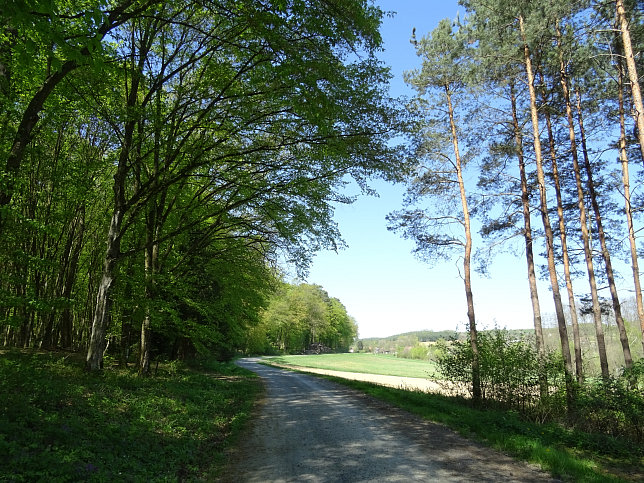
(311, 429)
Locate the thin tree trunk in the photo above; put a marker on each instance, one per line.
(636, 93)
(585, 235)
(101, 313)
(579, 370)
(619, 320)
(527, 235)
(628, 208)
(476, 371)
(554, 283)
(100, 322)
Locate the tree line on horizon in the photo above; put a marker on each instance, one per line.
(530, 123)
(160, 159)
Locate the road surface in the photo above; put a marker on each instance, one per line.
(311, 429)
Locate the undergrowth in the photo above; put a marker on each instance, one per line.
(59, 423)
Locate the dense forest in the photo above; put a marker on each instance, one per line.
(160, 160)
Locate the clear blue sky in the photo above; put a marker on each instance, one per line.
(383, 286)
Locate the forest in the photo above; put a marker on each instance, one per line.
(161, 161)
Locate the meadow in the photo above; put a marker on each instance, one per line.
(383, 364)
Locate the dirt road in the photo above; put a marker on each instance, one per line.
(310, 429)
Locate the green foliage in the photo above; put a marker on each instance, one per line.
(58, 423)
(513, 376)
(300, 315)
(613, 406)
(221, 133)
(500, 357)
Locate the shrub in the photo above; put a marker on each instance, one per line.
(613, 406)
(510, 369)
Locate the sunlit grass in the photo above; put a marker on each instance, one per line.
(363, 363)
(59, 423)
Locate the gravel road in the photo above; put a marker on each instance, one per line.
(311, 429)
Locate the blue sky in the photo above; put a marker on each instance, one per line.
(383, 286)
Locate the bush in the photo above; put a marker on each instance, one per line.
(513, 376)
(511, 371)
(613, 406)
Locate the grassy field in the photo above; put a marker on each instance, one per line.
(59, 423)
(363, 363)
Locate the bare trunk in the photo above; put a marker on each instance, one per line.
(579, 370)
(101, 313)
(476, 372)
(585, 235)
(554, 283)
(636, 93)
(100, 322)
(628, 208)
(527, 232)
(619, 320)
(151, 262)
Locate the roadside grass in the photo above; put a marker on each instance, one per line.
(386, 365)
(566, 454)
(59, 423)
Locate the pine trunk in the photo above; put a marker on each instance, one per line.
(617, 308)
(554, 283)
(476, 372)
(585, 235)
(636, 93)
(527, 230)
(579, 369)
(628, 208)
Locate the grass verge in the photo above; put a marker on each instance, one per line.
(569, 455)
(59, 423)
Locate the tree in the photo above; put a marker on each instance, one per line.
(253, 119)
(444, 69)
(300, 315)
(629, 56)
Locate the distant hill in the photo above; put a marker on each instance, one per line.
(411, 338)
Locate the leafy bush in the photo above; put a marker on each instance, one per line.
(513, 375)
(613, 406)
(511, 370)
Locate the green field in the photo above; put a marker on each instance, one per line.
(363, 363)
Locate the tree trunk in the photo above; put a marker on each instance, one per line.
(527, 234)
(619, 320)
(628, 208)
(579, 369)
(585, 235)
(554, 283)
(476, 371)
(636, 93)
(25, 128)
(100, 322)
